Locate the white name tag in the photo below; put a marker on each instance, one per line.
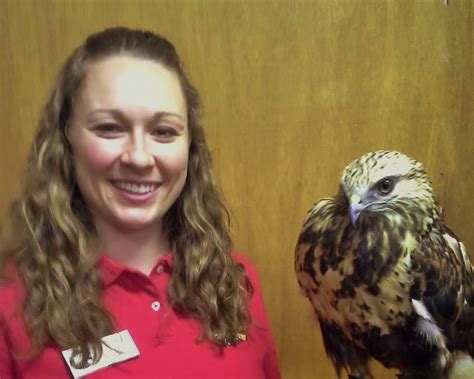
(117, 348)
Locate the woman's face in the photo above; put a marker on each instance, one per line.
(130, 139)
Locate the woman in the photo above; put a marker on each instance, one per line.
(120, 228)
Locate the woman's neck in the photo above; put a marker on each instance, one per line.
(138, 249)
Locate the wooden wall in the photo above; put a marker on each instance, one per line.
(293, 91)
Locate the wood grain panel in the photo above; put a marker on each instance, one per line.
(293, 91)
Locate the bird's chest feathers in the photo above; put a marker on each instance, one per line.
(360, 277)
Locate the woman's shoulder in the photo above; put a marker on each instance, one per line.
(239, 258)
(248, 266)
(257, 308)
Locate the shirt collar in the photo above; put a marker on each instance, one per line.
(110, 270)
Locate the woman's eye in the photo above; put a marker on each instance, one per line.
(385, 186)
(107, 130)
(164, 133)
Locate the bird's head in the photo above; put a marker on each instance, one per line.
(383, 181)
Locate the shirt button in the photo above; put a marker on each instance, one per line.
(159, 269)
(155, 306)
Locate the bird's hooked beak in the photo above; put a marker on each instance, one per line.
(355, 207)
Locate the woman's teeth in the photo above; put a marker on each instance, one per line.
(135, 188)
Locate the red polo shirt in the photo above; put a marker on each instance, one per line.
(167, 342)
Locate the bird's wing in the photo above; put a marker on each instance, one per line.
(320, 249)
(319, 236)
(443, 281)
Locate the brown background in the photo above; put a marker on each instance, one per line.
(293, 91)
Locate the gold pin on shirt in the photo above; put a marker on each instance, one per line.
(240, 337)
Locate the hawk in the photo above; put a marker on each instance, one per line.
(387, 278)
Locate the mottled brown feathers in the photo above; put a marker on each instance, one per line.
(386, 277)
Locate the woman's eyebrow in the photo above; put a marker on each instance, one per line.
(118, 113)
(163, 114)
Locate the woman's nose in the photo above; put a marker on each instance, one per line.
(137, 154)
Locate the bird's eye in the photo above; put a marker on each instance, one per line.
(385, 186)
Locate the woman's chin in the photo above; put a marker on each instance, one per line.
(137, 224)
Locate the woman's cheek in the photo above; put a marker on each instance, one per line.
(173, 156)
(99, 154)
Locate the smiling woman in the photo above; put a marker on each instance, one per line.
(130, 141)
(121, 244)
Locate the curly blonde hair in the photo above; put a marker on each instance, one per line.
(51, 250)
